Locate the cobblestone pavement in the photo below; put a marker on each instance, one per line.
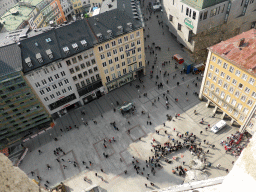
(86, 143)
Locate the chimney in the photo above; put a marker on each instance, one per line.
(129, 25)
(120, 29)
(109, 33)
(241, 42)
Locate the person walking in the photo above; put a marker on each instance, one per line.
(218, 166)
(146, 184)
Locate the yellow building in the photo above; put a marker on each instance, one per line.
(229, 78)
(120, 51)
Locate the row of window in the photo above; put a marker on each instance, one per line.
(74, 61)
(215, 11)
(56, 76)
(88, 81)
(124, 71)
(54, 86)
(77, 68)
(46, 70)
(120, 41)
(58, 93)
(229, 109)
(231, 90)
(80, 76)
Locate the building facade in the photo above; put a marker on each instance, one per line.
(120, 51)
(21, 110)
(201, 24)
(229, 78)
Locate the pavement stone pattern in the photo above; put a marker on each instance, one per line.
(86, 143)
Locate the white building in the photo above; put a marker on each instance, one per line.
(188, 19)
(67, 8)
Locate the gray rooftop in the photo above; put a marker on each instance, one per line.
(10, 59)
(111, 20)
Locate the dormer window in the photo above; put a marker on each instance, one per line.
(48, 40)
(120, 29)
(99, 35)
(49, 53)
(129, 25)
(109, 33)
(66, 50)
(28, 62)
(39, 58)
(84, 43)
(75, 46)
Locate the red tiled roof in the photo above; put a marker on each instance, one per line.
(243, 56)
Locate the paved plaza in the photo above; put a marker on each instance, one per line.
(86, 143)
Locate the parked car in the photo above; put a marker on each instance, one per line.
(218, 126)
(157, 6)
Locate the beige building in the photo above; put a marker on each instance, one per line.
(229, 79)
(120, 52)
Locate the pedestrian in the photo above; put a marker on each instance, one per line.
(113, 139)
(61, 130)
(84, 163)
(152, 184)
(121, 160)
(102, 179)
(204, 141)
(90, 163)
(226, 170)
(233, 162)
(32, 173)
(101, 170)
(201, 132)
(129, 123)
(96, 174)
(47, 182)
(39, 151)
(183, 162)
(186, 93)
(164, 124)
(174, 129)
(128, 131)
(146, 184)
(58, 160)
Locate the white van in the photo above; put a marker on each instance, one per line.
(218, 126)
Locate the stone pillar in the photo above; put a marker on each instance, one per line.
(223, 115)
(208, 103)
(215, 109)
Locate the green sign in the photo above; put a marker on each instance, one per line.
(189, 23)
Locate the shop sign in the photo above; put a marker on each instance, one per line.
(189, 23)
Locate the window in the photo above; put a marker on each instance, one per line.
(205, 15)
(60, 84)
(225, 106)
(107, 46)
(113, 43)
(50, 79)
(109, 54)
(46, 99)
(205, 91)
(251, 81)
(88, 64)
(98, 77)
(222, 74)
(80, 76)
(54, 86)
(117, 66)
(37, 84)
(243, 98)
(219, 62)
(212, 86)
(238, 73)
(225, 86)
(93, 79)
(74, 60)
(130, 68)
(127, 54)
(108, 78)
(139, 49)
(225, 65)
(231, 69)
(115, 51)
(123, 63)
(140, 64)
(228, 78)
(201, 16)
(110, 61)
(254, 94)
(113, 76)
(124, 71)
(187, 11)
(209, 75)
(93, 61)
(132, 44)
(52, 68)
(244, 77)
(214, 78)
(64, 91)
(129, 60)
(240, 86)
(132, 36)
(42, 92)
(48, 89)
(88, 81)
(179, 27)
(121, 49)
(74, 78)
(137, 34)
(85, 73)
(77, 68)
(100, 48)
(95, 69)
(104, 64)
(111, 68)
(127, 46)
(245, 111)
(228, 98)
(133, 51)
(249, 102)
(239, 106)
(217, 71)
(57, 76)
(241, 118)
(79, 58)
(233, 102)
(71, 70)
(234, 81)
(46, 71)
(68, 62)
(237, 93)
(85, 56)
(231, 89)
(78, 86)
(247, 90)
(116, 59)
(122, 56)
(217, 91)
(90, 71)
(211, 67)
(63, 73)
(194, 15)
(220, 102)
(126, 38)
(119, 41)
(119, 73)
(139, 56)
(66, 81)
(222, 95)
(106, 71)
(102, 56)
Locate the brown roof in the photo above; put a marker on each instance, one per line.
(243, 55)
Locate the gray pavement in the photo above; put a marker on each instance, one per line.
(86, 143)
